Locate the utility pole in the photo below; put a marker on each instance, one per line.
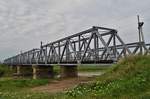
(140, 30)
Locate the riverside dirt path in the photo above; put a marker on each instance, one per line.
(61, 85)
(64, 84)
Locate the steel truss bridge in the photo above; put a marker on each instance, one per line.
(93, 46)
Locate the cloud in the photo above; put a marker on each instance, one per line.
(24, 23)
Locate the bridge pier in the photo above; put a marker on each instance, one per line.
(23, 71)
(18, 70)
(40, 71)
(11, 67)
(67, 71)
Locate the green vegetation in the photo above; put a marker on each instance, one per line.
(17, 84)
(86, 68)
(19, 88)
(128, 79)
(4, 70)
(93, 68)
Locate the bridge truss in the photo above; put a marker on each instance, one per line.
(93, 46)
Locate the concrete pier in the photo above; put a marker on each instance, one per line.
(18, 70)
(22, 71)
(44, 71)
(40, 71)
(68, 71)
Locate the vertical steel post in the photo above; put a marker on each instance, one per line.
(95, 47)
(67, 51)
(79, 47)
(59, 51)
(46, 55)
(114, 46)
(75, 52)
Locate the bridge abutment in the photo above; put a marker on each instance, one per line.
(40, 71)
(67, 71)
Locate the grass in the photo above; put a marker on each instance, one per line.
(93, 68)
(17, 84)
(128, 79)
(86, 68)
(4, 70)
(20, 88)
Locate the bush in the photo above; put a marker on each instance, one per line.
(14, 84)
(4, 70)
(129, 77)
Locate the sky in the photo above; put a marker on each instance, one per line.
(25, 23)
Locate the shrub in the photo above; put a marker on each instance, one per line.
(4, 70)
(129, 77)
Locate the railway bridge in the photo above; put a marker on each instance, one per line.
(97, 45)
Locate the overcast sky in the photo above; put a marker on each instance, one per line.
(24, 23)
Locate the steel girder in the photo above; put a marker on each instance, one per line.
(95, 45)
